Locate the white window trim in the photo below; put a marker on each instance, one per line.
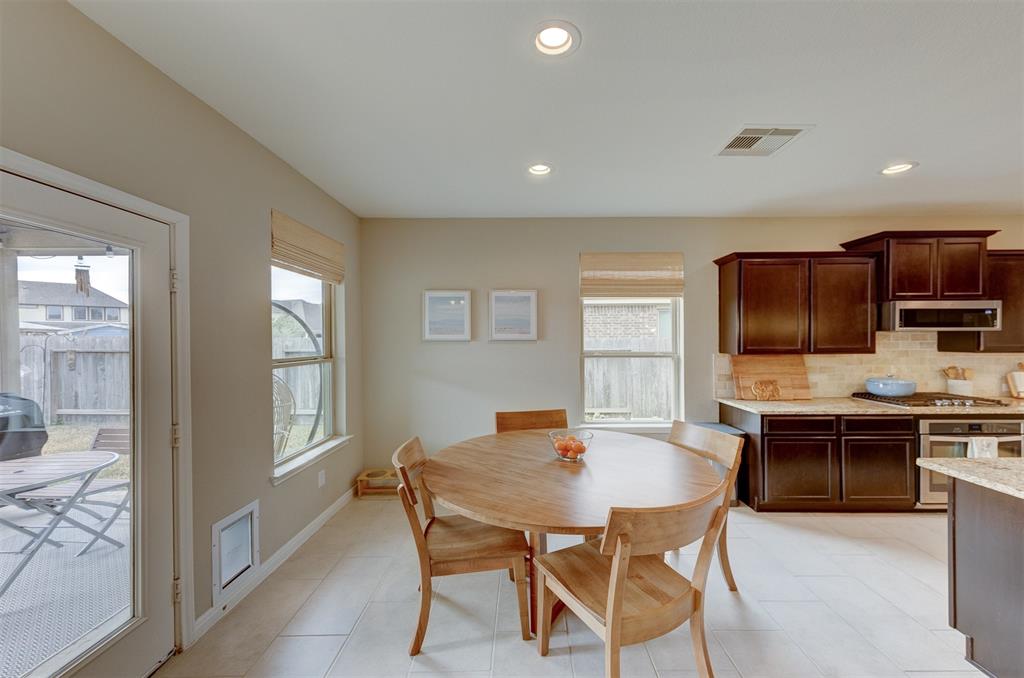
(292, 464)
(300, 462)
(677, 358)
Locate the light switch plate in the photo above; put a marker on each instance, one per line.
(321, 478)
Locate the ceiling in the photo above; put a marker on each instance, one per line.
(435, 109)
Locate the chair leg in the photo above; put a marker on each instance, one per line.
(421, 626)
(723, 559)
(519, 577)
(545, 601)
(700, 642)
(612, 649)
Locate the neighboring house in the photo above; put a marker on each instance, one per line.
(61, 305)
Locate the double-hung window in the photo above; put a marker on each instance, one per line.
(306, 273)
(303, 356)
(632, 338)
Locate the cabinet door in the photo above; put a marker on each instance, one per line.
(879, 471)
(801, 470)
(773, 306)
(1006, 282)
(913, 268)
(843, 305)
(961, 268)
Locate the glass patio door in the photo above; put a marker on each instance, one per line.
(86, 497)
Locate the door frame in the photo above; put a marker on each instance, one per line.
(184, 584)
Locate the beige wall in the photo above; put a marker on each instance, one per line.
(445, 392)
(75, 97)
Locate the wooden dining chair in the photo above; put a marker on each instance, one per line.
(530, 419)
(622, 588)
(454, 544)
(724, 451)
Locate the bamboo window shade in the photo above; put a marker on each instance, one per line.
(631, 274)
(305, 250)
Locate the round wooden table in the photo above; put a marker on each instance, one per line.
(514, 480)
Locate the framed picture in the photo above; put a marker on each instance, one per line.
(446, 315)
(514, 315)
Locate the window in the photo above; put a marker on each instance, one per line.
(54, 312)
(113, 314)
(631, 359)
(302, 324)
(95, 313)
(80, 313)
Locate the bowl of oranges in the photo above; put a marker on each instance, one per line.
(570, 444)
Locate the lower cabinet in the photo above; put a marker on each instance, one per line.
(802, 470)
(828, 463)
(879, 471)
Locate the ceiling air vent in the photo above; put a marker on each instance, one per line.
(761, 141)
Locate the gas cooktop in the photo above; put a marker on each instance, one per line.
(931, 400)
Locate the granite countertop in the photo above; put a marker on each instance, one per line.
(856, 406)
(1001, 475)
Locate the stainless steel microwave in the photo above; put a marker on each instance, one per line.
(942, 316)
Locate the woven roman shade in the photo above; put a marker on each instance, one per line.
(302, 249)
(631, 274)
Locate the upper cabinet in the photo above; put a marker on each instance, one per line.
(796, 303)
(920, 265)
(1005, 282)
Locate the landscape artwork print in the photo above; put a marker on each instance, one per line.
(514, 315)
(446, 315)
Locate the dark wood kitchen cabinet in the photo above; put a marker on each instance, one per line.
(879, 470)
(801, 470)
(1006, 283)
(922, 265)
(796, 303)
(826, 463)
(843, 305)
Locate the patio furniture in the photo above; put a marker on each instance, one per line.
(455, 544)
(284, 414)
(530, 419)
(20, 476)
(113, 439)
(44, 499)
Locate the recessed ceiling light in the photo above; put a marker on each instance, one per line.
(899, 168)
(556, 37)
(539, 169)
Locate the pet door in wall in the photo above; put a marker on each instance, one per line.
(236, 550)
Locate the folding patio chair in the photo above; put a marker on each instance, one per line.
(45, 498)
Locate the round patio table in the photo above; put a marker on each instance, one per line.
(514, 480)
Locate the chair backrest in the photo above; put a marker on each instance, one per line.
(657, 530)
(284, 413)
(719, 447)
(409, 460)
(531, 419)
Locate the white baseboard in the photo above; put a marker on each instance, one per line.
(206, 620)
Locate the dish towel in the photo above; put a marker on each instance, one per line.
(983, 448)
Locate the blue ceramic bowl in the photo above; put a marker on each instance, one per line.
(890, 386)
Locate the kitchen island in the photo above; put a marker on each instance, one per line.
(986, 559)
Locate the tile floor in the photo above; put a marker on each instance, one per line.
(845, 596)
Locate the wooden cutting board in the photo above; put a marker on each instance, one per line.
(770, 377)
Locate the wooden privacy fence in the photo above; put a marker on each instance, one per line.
(78, 379)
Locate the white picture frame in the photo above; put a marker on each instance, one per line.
(513, 315)
(447, 315)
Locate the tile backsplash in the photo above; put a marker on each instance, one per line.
(908, 355)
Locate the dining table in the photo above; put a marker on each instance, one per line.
(18, 476)
(515, 480)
